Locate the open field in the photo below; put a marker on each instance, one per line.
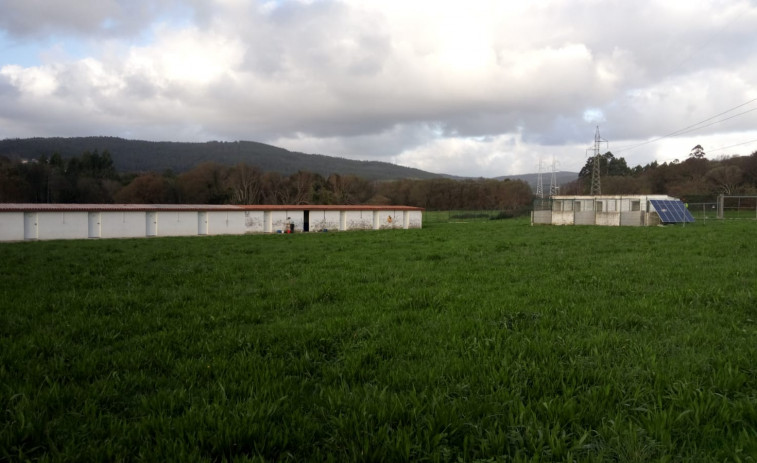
(492, 340)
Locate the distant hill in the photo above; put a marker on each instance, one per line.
(142, 156)
(561, 177)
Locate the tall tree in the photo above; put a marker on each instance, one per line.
(205, 184)
(149, 188)
(245, 183)
(726, 178)
(697, 152)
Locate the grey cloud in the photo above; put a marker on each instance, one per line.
(344, 80)
(7, 89)
(25, 19)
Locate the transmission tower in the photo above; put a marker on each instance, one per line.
(540, 182)
(596, 184)
(554, 188)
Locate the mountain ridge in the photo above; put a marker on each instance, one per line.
(142, 156)
(160, 156)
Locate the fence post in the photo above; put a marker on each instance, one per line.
(721, 200)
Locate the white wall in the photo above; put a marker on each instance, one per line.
(279, 220)
(177, 223)
(62, 225)
(320, 220)
(608, 218)
(47, 225)
(222, 223)
(562, 218)
(254, 221)
(541, 217)
(388, 219)
(359, 220)
(122, 224)
(416, 219)
(631, 218)
(11, 226)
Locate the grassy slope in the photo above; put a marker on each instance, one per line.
(457, 341)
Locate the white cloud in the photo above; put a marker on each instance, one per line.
(484, 88)
(31, 82)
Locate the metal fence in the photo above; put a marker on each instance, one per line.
(703, 211)
(737, 207)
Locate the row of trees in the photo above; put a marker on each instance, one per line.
(695, 177)
(91, 178)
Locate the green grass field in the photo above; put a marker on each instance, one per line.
(493, 341)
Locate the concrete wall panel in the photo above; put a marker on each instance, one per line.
(63, 225)
(324, 220)
(608, 218)
(279, 220)
(122, 224)
(223, 223)
(177, 223)
(562, 218)
(631, 218)
(359, 220)
(585, 218)
(254, 221)
(415, 219)
(11, 226)
(542, 217)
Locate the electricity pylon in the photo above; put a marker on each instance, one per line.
(596, 184)
(540, 183)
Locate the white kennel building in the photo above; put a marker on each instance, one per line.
(607, 210)
(19, 222)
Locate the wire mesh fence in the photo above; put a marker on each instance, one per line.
(703, 211)
(724, 207)
(737, 207)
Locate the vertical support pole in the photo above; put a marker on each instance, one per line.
(721, 200)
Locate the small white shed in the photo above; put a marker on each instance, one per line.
(607, 210)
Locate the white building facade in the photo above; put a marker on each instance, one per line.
(607, 210)
(19, 222)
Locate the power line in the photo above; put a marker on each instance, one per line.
(694, 127)
(732, 146)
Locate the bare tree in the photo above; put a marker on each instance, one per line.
(245, 183)
(726, 178)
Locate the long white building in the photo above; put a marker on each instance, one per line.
(20, 222)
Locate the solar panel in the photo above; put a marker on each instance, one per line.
(671, 211)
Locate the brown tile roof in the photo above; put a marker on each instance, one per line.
(41, 207)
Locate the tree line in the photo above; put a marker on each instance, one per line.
(92, 178)
(696, 178)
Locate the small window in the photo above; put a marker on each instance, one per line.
(635, 205)
(577, 206)
(598, 206)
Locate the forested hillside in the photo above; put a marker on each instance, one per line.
(148, 156)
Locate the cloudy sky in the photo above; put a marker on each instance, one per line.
(474, 87)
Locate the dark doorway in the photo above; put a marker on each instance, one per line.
(306, 221)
